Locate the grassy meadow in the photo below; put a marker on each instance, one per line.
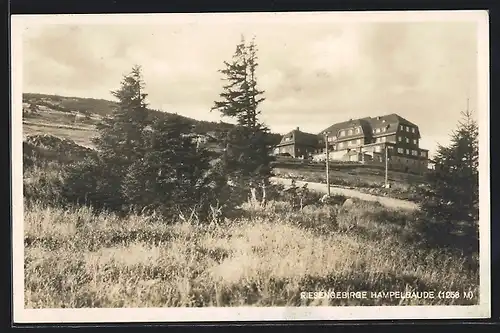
(76, 257)
(266, 256)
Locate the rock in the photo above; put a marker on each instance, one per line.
(348, 203)
(324, 198)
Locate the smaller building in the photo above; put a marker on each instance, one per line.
(297, 144)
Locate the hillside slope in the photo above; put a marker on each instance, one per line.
(102, 107)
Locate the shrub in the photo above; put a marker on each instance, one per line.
(93, 182)
(44, 184)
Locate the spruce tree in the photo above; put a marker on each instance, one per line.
(247, 154)
(120, 142)
(454, 184)
(166, 178)
(121, 136)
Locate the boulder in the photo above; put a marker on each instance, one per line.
(348, 203)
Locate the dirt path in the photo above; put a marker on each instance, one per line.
(388, 202)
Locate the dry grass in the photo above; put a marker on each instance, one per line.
(76, 258)
(82, 137)
(266, 257)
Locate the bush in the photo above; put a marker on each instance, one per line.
(300, 197)
(93, 182)
(39, 150)
(44, 184)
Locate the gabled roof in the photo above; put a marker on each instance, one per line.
(391, 123)
(297, 136)
(393, 120)
(334, 129)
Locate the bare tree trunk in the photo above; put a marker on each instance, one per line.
(253, 197)
(264, 199)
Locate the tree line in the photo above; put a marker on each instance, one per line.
(149, 163)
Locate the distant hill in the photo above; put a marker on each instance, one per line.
(104, 107)
(100, 107)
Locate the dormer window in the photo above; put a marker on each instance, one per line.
(349, 132)
(342, 133)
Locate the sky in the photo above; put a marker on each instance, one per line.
(314, 72)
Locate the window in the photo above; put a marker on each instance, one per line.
(384, 139)
(383, 129)
(341, 145)
(413, 129)
(287, 139)
(414, 153)
(358, 131)
(349, 132)
(407, 151)
(400, 150)
(378, 149)
(407, 129)
(407, 140)
(377, 130)
(401, 127)
(342, 133)
(358, 141)
(400, 138)
(424, 154)
(415, 142)
(331, 138)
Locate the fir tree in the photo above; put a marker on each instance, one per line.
(247, 154)
(454, 193)
(166, 178)
(98, 181)
(121, 135)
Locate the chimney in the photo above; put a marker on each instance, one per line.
(297, 129)
(378, 118)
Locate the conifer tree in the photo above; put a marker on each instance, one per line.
(98, 180)
(166, 177)
(121, 135)
(454, 194)
(247, 152)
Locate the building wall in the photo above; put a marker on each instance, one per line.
(290, 149)
(297, 150)
(402, 163)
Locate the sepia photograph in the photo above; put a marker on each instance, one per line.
(250, 166)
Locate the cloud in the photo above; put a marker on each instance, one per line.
(313, 74)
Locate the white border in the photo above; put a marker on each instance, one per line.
(21, 315)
